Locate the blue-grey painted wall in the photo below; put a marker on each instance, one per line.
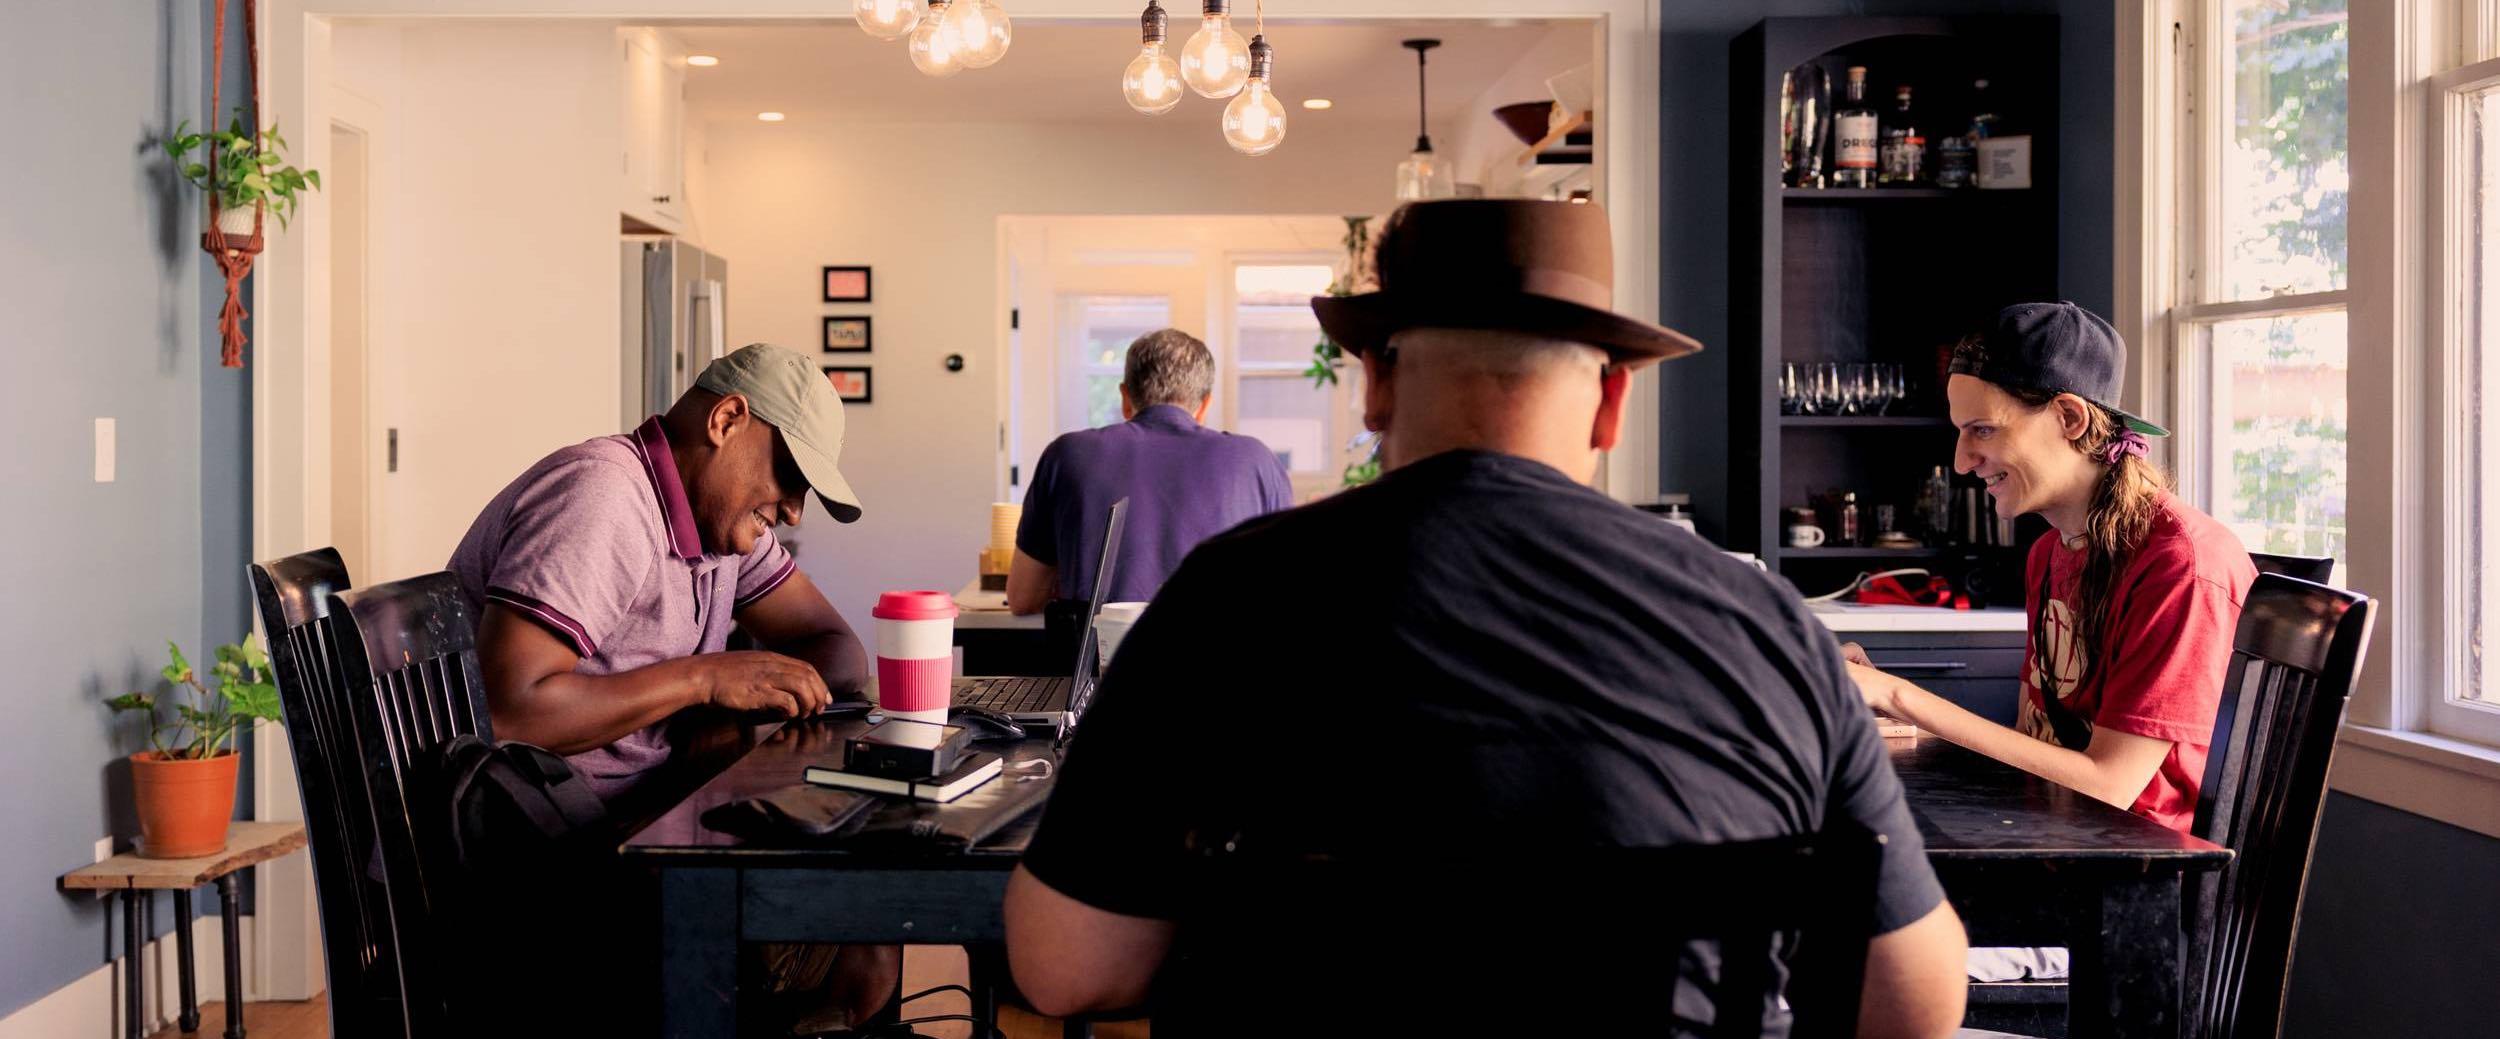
(1694, 114)
(2398, 932)
(107, 301)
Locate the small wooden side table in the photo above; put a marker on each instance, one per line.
(136, 879)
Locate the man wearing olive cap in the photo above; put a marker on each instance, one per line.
(610, 575)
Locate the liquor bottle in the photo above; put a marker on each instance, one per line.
(1983, 120)
(1935, 508)
(1854, 136)
(1903, 159)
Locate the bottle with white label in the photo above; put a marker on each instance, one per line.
(1855, 136)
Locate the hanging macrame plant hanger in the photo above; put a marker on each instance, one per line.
(233, 254)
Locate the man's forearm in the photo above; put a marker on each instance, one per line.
(570, 712)
(838, 657)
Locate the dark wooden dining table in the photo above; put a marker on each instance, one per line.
(2025, 862)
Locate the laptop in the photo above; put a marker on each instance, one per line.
(1035, 701)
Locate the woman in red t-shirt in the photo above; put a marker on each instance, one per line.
(2132, 595)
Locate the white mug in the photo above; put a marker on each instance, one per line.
(1805, 535)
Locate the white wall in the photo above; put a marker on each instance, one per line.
(494, 316)
(1485, 150)
(921, 205)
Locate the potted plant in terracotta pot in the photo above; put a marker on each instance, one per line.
(184, 781)
(249, 170)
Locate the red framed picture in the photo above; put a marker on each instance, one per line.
(846, 285)
(850, 384)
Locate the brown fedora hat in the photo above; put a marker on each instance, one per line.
(1512, 265)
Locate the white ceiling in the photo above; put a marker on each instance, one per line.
(1070, 72)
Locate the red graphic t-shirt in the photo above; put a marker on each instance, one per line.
(2158, 668)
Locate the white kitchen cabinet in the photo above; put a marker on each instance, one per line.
(655, 110)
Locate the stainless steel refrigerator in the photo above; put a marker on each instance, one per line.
(676, 313)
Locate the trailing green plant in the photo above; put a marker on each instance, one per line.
(1326, 355)
(244, 697)
(249, 167)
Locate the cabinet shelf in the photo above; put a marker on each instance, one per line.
(1847, 196)
(1865, 552)
(1930, 422)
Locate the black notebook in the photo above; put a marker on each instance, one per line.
(975, 769)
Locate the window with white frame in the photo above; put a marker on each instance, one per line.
(1098, 333)
(1273, 397)
(2466, 356)
(2260, 322)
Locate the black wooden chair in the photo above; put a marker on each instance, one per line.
(2294, 657)
(2314, 569)
(2299, 647)
(410, 680)
(1541, 941)
(361, 947)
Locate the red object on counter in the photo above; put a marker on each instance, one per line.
(1931, 590)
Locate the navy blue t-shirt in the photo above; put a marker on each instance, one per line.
(1508, 655)
(1184, 483)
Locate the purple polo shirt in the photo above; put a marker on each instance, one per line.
(597, 544)
(1184, 483)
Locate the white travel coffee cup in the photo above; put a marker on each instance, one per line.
(1110, 626)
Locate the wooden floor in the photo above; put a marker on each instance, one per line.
(307, 1020)
(923, 967)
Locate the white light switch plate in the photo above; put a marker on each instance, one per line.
(104, 450)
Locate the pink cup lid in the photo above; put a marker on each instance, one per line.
(915, 606)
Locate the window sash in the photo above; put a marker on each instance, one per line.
(2454, 480)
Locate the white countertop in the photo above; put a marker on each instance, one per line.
(988, 610)
(1852, 617)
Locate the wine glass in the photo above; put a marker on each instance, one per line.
(1792, 389)
(1826, 389)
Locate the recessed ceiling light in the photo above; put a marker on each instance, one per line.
(770, 117)
(1317, 104)
(702, 60)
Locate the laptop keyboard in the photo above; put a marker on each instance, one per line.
(1012, 695)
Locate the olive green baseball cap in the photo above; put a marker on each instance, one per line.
(790, 393)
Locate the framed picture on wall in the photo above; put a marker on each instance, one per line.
(846, 284)
(846, 334)
(850, 384)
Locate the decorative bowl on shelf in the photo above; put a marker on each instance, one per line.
(1529, 121)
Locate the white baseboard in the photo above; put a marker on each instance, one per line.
(91, 1007)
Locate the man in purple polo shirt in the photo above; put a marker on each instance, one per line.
(1185, 483)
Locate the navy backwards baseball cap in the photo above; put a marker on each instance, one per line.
(2055, 348)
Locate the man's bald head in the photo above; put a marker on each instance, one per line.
(1441, 389)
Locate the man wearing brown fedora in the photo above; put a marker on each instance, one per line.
(1478, 651)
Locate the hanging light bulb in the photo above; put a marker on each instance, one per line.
(1152, 82)
(985, 31)
(937, 43)
(1423, 174)
(886, 19)
(1215, 62)
(1254, 124)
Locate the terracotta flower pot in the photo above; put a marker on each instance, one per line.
(184, 805)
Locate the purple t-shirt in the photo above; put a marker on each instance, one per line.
(1184, 483)
(597, 544)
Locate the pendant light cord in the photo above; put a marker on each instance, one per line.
(1422, 132)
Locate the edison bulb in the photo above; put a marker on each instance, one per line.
(1254, 124)
(886, 19)
(1152, 83)
(985, 30)
(937, 45)
(1215, 62)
